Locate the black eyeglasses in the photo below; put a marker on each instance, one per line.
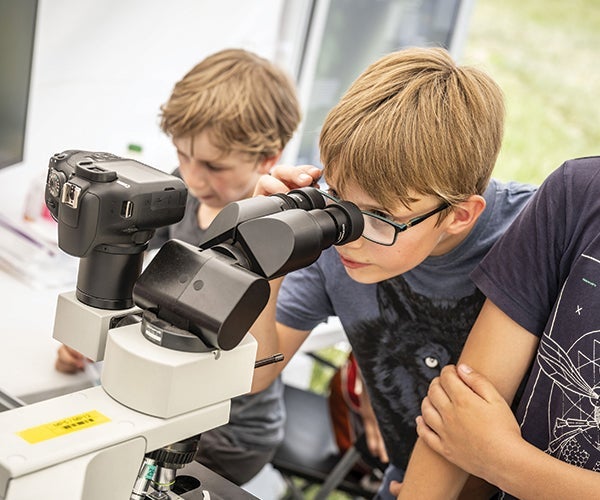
(381, 230)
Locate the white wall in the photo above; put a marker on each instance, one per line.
(103, 67)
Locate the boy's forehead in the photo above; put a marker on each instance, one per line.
(200, 145)
(352, 191)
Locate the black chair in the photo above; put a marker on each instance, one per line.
(309, 453)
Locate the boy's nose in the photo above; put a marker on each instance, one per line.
(198, 174)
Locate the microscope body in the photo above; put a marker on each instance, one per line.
(174, 339)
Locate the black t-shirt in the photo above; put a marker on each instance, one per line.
(545, 274)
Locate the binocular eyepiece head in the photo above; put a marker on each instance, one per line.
(307, 198)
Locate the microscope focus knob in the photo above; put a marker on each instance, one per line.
(176, 455)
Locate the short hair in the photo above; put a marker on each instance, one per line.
(248, 104)
(415, 122)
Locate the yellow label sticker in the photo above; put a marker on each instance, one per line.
(63, 426)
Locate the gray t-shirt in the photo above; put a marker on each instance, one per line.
(405, 329)
(256, 420)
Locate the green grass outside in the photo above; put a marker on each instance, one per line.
(546, 57)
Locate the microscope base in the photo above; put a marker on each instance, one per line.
(86, 445)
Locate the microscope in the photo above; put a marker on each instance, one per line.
(174, 336)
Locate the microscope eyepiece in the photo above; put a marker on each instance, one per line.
(304, 198)
(251, 241)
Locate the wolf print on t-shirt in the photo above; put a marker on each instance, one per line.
(400, 352)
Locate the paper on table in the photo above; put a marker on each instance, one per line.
(29, 251)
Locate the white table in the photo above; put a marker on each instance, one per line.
(28, 350)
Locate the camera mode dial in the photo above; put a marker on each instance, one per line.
(56, 179)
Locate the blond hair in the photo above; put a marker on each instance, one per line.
(415, 122)
(247, 103)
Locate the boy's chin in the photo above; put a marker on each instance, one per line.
(365, 276)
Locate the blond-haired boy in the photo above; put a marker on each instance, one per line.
(413, 143)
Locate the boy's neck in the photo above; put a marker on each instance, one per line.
(449, 242)
(206, 215)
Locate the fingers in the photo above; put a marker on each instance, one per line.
(283, 178)
(454, 385)
(64, 367)
(437, 400)
(69, 360)
(295, 177)
(479, 384)
(375, 440)
(395, 488)
(438, 403)
(268, 184)
(428, 435)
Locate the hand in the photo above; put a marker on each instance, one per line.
(69, 360)
(395, 488)
(467, 421)
(283, 178)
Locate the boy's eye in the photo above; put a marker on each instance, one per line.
(380, 213)
(215, 168)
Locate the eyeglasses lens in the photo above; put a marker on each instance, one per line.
(378, 231)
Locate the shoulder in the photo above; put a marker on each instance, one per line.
(574, 187)
(580, 176)
(504, 202)
(509, 191)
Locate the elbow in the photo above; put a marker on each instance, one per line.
(263, 378)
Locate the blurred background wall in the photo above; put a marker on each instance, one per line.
(101, 68)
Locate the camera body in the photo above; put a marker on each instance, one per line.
(102, 199)
(107, 209)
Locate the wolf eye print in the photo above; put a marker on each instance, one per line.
(431, 362)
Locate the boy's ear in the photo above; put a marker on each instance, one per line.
(465, 214)
(268, 163)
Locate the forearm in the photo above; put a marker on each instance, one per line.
(264, 330)
(527, 472)
(431, 477)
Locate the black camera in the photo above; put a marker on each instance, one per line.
(107, 209)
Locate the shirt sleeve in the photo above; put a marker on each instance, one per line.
(303, 301)
(520, 274)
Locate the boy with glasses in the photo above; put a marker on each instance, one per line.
(413, 143)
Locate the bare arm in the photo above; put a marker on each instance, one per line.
(467, 420)
(470, 423)
(273, 337)
(371, 427)
(501, 350)
(69, 360)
